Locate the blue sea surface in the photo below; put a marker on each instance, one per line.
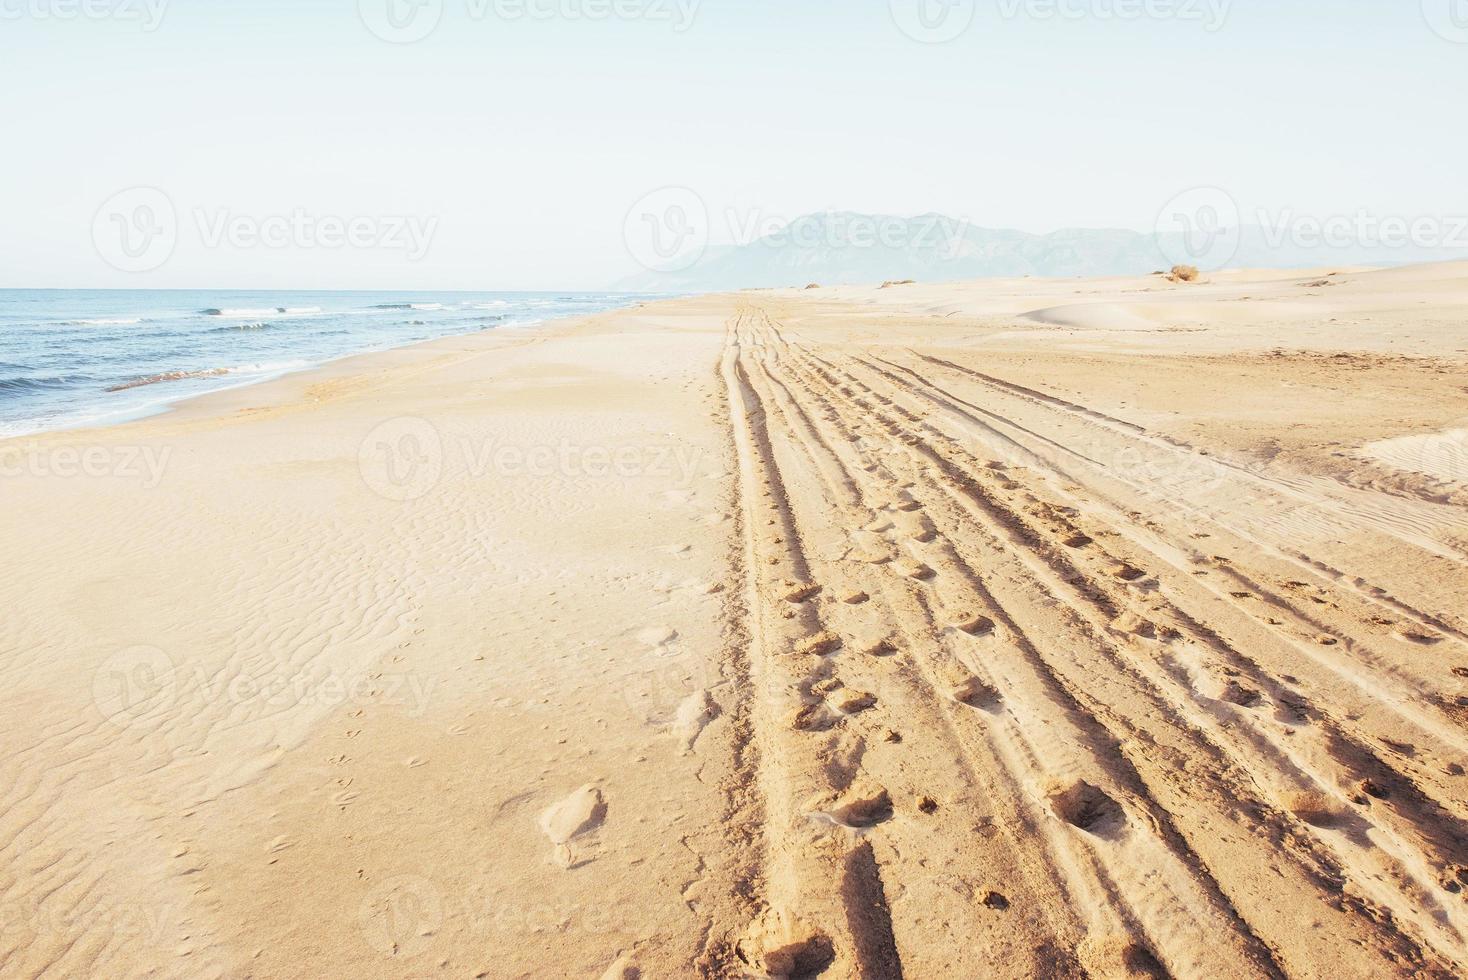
(84, 357)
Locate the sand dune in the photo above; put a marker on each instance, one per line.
(1442, 455)
(1096, 316)
(851, 633)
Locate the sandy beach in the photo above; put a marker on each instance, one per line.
(1007, 628)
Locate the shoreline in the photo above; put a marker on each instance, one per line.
(170, 405)
(151, 387)
(181, 403)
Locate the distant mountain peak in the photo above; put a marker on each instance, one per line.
(844, 247)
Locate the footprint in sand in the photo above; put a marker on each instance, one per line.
(974, 625)
(1244, 697)
(915, 570)
(863, 806)
(869, 547)
(1133, 625)
(780, 945)
(1454, 879)
(656, 636)
(976, 694)
(855, 702)
(1085, 807)
(819, 645)
(1315, 808)
(883, 646)
(826, 686)
(869, 556)
(918, 526)
(699, 586)
(575, 816)
(1368, 790)
(622, 969)
(1115, 955)
(692, 717)
(798, 592)
(579, 813)
(815, 717)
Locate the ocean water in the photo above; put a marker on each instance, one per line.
(85, 357)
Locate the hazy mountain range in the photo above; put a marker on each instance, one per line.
(849, 247)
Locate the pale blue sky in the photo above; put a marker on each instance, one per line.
(528, 141)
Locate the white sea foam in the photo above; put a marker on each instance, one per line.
(138, 356)
(270, 367)
(254, 314)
